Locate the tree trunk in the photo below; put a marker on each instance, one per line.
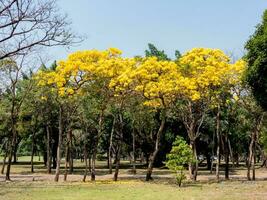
(15, 160)
(252, 147)
(4, 163)
(154, 154)
(110, 145)
(67, 154)
(253, 165)
(32, 152)
(99, 132)
(118, 154)
(134, 157)
(226, 157)
(86, 163)
(117, 164)
(48, 157)
(70, 153)
(12, 144)
(66, 162)
(193, 167)
(218, 143)
(59, 147)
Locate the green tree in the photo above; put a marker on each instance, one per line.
(180, 155)
(152, 51)
(256, 58)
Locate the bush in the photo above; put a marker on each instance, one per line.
(180, 155)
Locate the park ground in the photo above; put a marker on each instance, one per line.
(40, 186)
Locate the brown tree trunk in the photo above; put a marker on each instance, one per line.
(32, 151)
(4, 163)
(193, 167)
(226, 157)
(68, 154)
(12, 144)
(154, 154)
(66, 162)
(86, 163)
(59, 147)
(15, 159)
(218, 135)
(117, 163)
(48, 164)
(110, 145)
(134, 157)
(99, 132)
(252, 147)
(118, 155)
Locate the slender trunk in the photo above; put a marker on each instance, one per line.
(117, 164)
(231, 153)
(134, 157)
(11, 147)
(59, 147)
(4, 163)
(213, 146)
(67, 154)
(32, 152)
(15, 150)
(110, 145)
(118, 155)
(90, 163)
(154, 154)
(218, 143)
(70, 153)
(253, 164)
(48, 164)
(193, 167)
(250, 157)
(99, 132)
(86, 163)
(66, 162)
(252, 147)
(226, 157)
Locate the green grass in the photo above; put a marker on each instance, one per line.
(128, 187)
(131, 190)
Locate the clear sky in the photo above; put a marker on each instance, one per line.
(169, 24)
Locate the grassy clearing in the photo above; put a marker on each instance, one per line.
(103, 190)
(129, 187)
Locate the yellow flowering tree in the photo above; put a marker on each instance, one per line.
(102, 73)
(156, 81)
(206, 72)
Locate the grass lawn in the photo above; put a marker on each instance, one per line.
(128, 187)
(107, 190)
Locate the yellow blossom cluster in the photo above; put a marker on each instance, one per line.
(160, 82)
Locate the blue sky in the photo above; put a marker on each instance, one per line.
(169, 24)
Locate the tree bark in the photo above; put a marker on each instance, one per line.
(193, 167)
(59, 147)
(218, 135)
(48, 164)
(252, 147)
(110, 145)
(156, 149)
(68, 154)
(99, 132)
(15, 160)
(4, 163)
(226, 157)
(134, 157)
(12, 144)
(86, 163)
(32, 152)
(118, 155)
